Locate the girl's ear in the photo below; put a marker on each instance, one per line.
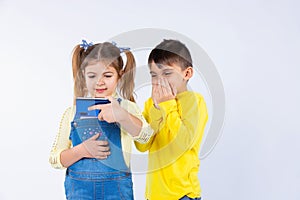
(121, 73)
(188, 73)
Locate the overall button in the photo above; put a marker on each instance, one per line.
(75, 124)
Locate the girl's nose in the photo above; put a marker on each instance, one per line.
(100, 82)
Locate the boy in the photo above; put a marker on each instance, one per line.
(178, 117)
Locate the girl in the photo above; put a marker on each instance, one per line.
(99, 168)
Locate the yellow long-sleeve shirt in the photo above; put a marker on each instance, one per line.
(62, 141)
(173, 163)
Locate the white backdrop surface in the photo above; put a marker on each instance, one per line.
(254, 45)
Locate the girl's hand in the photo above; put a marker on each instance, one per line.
(96, 148)
(111, 112)
(162, 91)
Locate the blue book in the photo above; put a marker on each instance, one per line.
(82, 105)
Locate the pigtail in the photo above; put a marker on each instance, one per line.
(127, 80)
(78, 76)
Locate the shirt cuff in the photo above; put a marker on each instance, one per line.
(145, 133)
(54, 160)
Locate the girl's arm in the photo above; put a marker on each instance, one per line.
(154, 122)
(61, 141)
(90, 148)
(72, 155)
(130, 123)
(62, 155)
(127, 116)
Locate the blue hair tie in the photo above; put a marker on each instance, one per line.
(85, 45)
(122, 49)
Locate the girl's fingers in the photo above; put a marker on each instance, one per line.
(102, 143)
(98, 107)
(102, 152)
(103, 148)
(94, 137)
(100, 116)
(111, 99)
(100, 157)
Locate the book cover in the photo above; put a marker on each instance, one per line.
(82, 105)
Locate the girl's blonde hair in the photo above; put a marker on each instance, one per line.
(109, 55)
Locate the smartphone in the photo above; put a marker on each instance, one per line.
(82, 105)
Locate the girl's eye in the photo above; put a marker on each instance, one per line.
(153, 75)
(167, 73)
(91, 76)
(108, 76)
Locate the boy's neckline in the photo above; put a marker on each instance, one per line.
(182, 93)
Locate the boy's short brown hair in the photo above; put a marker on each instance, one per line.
(170, 52)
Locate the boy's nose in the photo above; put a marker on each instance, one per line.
(155, 80)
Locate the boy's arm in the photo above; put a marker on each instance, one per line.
(187, 127)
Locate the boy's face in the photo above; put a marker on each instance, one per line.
(173, 74)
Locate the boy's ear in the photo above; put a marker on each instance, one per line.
(188, 73)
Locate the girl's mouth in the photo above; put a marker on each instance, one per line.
(100, 90)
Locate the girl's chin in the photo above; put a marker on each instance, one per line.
(102, 95)
(99, 96)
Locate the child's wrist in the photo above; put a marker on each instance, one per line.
(82, 151)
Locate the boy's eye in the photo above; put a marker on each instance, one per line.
(91, 76)
(167, 73)
(153, 75)
(108, 76)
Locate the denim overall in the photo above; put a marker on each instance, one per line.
(189, 198)
(90, 178)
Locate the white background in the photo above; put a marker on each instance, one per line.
(254, 45)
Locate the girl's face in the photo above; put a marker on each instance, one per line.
(101, 80)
